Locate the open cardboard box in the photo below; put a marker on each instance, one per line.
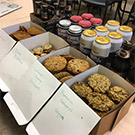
(51, 117)
(42, 39)
(10, 29)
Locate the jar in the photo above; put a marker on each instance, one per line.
(116, 41)
(102, 30)
(73, 37)
(96, 22)
(85, 24)
(126, 31)
(75, 19)
(100, 49)
(131, 76)
(87, 38)
(113, 25)
(87, 16)
(62, 28)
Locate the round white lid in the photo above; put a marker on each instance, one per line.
(75, 29)
(65, 23)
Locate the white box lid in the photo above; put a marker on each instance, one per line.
(64, 114)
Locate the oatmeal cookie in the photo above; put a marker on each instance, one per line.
(47, 48)
(99, 83)
(117, 94)
(81, 88)
(38, 50)
(37, 56)
(55, 63)
(60, 75)
(77, 66)
(68, 57)
(43, 54)
(65, 78)
(100, 102)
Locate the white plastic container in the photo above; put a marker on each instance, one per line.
(116, 41)
(74, 34)
(87, 38)
(62, 28)
(126, 31)
(113, 25)
(100, 49)
(102, 30)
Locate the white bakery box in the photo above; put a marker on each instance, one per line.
(29, 83)
(66, 113)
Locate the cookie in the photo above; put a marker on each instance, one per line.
(68, 57)
(32, 51)
(81, 88)
(65, 78)
(101, 114)
(99, 83)
(52, 51)
(55, 63)
(100, 102)
(37, 56)
(47, 48)
(117, 94)
(38, 50)
(61, 75)
(77, 66)
(20, 35)
(34, 31)
(43, 54)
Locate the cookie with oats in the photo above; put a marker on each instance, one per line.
(47, 48)
(60, 75)
(38, 50)
(65, 78)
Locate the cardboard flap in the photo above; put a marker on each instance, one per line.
(32, 91)
(123, 111)
(65, 114)
(6, 44)
(15, 64)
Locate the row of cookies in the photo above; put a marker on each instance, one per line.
(24, 33)
(42, 50)
(65, 66)
(99, 94)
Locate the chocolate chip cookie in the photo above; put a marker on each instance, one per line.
(99, 83)
(61, 75)
(55, 63)
(77, 66)
(68, 57)
(81, 88)
(117, 94)
(100, 102)
(65, 78)
(47, 48)
(38, 50)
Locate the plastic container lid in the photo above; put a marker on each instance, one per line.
(96, 20)
(75, 29)
(102, 28)
(102, 40)
(125, 28)
(113, 22)
(75, 18)
(115, 35)
(89, 33)
(85, 24)
(87, 16)
(65, 23)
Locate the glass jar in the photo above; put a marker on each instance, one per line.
(113, 25)
(73, 37)
(87, 16)
(85, 24)
(100, 49)
(62, 28)
(75, 19)
(126, 31)
(87, 38)
(102, 30)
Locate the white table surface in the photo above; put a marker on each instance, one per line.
(127, 125)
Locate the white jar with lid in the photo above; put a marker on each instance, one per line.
(62, 28)
(126, 31)
(116, 41)
(113, 25)
(73, 37)
(102, 30)
(100, 49)
(87, 38)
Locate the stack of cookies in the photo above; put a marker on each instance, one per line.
(43, 50)
(98, 94)
(65, 66)
(24, 33)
